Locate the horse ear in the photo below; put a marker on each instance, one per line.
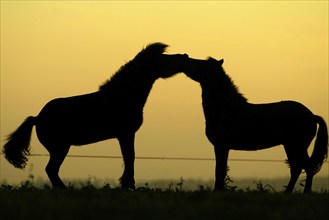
(221, 61)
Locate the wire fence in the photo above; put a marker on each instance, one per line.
(160, 158)
(163, 158)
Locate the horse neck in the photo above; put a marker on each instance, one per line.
(220, 98)
(131, 91)
(142, 92)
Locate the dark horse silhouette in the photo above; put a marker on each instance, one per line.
(115, 111)
(233, 123)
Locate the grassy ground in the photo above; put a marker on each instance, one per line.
(88, 202)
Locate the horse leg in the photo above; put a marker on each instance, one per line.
(309, 181)
(128, 152)
(303, 163)
(309, 173)
(57, 156)
(295, 167)
(295, 171)
(221, 155)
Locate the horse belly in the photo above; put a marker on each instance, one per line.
(251, 143)
(81, 133)
(75, 121)
(252, 146)
(246, 136)
(62, 132)
(74, 131)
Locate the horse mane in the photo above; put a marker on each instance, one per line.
(228, 87)
(151, 50)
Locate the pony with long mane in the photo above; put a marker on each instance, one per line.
(114, 111)
(234, 123)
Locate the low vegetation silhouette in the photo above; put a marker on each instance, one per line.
(234, 123)
(91, 202)
(114, 111)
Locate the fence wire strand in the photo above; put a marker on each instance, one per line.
(163, 158)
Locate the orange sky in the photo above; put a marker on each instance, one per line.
(273, 50)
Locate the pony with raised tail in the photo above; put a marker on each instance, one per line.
(234, 123)
(114, 111)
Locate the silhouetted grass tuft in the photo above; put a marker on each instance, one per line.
(87, 201)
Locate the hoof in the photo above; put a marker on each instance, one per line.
(220, 189)
(60, 187)
(128, 186)
(125, 184)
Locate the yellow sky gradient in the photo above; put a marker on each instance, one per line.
(273, 50)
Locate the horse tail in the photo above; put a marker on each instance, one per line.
(320, 152)
(17, 148)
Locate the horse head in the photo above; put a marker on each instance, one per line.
(203, 70)
(170, 64)
(160, 64)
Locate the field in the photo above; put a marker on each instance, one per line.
(89, 202)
